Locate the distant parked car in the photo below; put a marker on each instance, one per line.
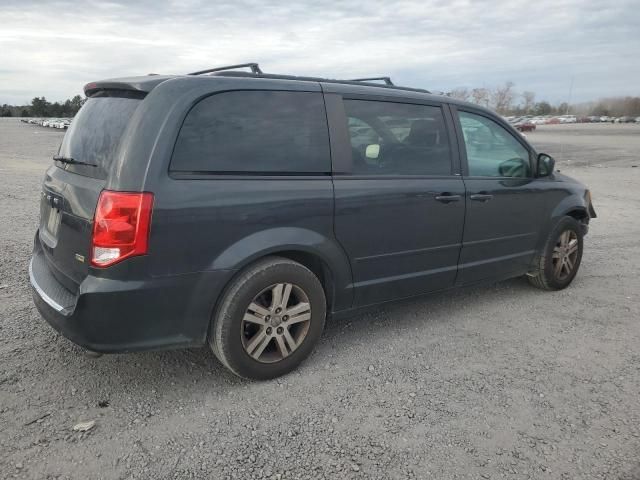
(525, 126)
(567, 119)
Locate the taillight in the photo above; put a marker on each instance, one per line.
(120, 227)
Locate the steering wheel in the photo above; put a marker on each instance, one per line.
(514, 167)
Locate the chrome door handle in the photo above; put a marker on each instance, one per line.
(481, 197)
(447, 198)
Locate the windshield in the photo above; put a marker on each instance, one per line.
(95, 133)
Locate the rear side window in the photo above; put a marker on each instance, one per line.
(390, 138)
(95, 132)
(261, 132)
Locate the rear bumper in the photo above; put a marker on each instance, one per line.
(111, 316)
(48, 289)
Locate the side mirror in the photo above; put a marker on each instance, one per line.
(546, 164)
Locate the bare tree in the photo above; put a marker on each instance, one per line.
(502, 97)
(529, 99)
(480, 96)
(460, 93)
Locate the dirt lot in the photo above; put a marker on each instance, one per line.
(500, 381)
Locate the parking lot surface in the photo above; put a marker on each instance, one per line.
(497, 381)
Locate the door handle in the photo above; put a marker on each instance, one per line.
(447, 198)
(481, 197)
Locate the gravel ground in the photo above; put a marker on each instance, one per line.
(499, 381)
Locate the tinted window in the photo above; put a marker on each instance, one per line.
(255, 131)
(491, 150)
(95, 133)
(397, 139)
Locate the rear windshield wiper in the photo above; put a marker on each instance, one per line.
(72, 161)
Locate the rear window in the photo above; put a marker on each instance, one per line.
(259, 132)
(95, 132)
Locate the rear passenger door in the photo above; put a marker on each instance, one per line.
(399, 203)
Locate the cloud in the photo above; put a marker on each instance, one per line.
(54, 48)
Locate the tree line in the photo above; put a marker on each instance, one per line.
(505, 100)
(41, 107)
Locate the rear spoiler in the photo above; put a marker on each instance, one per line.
(143, 85)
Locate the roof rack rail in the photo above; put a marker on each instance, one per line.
(386, 80)
(255, 69)
(256, 72)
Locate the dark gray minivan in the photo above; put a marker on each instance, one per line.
(239, 209)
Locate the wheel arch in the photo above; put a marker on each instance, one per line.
(322, 255)
(571, 206)
(579, 213)
(318, 266)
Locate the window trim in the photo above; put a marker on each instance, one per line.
(463, 147)
(341, 141)
(184, 175)
(227, 174)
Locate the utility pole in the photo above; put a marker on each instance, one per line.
(570, 92)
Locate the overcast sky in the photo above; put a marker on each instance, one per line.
(53, 48)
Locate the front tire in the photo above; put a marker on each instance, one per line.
(269, 319)
(559, 264)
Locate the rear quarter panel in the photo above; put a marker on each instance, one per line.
(207, 223)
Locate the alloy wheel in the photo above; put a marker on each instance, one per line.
(565, 254)
(276, 322)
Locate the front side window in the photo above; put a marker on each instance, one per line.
(491, 150)
(397, 139)
(262, 132)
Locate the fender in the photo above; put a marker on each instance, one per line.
(572, 202)
(269, 242)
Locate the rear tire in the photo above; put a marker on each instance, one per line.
(269, 319)
(559, 264)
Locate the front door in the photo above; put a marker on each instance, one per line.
(399, 209)
(505, 205)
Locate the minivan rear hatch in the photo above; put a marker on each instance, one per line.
(72, 186)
